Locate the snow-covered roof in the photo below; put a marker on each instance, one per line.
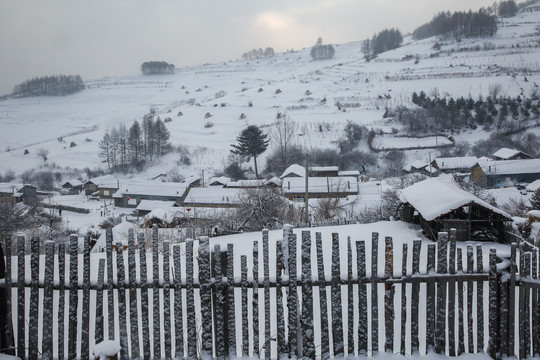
(321, 185)
(450, 163)
(72, 183)
(149, 205)
(509, 167)
(506, 153)
(151, 188)
(213, 196)
(349, 173)
(294, 170)
(190, 180)
(245, 183)
(221, 180)
(533, 186)
(323, 168)
(433, 198)
(106, 181)
(10, 188)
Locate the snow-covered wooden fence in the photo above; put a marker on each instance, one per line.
(192, 303)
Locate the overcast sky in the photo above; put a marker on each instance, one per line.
(97, 38)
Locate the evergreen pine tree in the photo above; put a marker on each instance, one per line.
(535, 200)
(251, 143)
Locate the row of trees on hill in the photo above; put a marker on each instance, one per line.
(387, 39)
(55, 85)
(458, 25)
(508, 8)
(157, 67)
(258, 53)
(122, 147)
(322, 52)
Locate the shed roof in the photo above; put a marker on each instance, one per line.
(506, 153)
(321, 185)
(294, 170)
(450, 163)
(433, 198)
(509, 167)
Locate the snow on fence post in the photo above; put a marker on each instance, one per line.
(144, 296)
(535, 314)
(61, 299)
(503, 313)
(280, 338)
(205, 292)
(255, 299)
(133, 312)
(178, 308)
(21, 321)
(245, 322)
(492, 343)
(337, 314)
(231, 328)
(526, 309)
(452, 294)
(460, 289)
(430, 299)
(470, 320)
(219, 305)
(374, 293)
(350, 304)
(190, 303)
(73, 296)
(85, 327)
(325, 339)
(266, 284)
(479, 301)
(362, 298)
(308, 346)
(415, 335)
(110, 287)
(442, 268)
(287, 232)
(292, 300)
(34, 300)
(167, 300)
(8, 344)
(155, 294)
(98, 333)
(121, 275)
(47, 344)
(512, 301)
(403, 299)
(388, 296)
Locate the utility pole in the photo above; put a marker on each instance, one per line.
(306, 195)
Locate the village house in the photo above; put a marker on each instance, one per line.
(294, 170)
(294, 188)
(72, 186)
(449, 165)
(421, 167)
(510, 154)
(219, 181)
(132, 193)
(107, 185)
(323, 171)
(12, 193)
(505, 173)
(215, 197)
(438, 206)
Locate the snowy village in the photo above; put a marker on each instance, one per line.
(368, 198)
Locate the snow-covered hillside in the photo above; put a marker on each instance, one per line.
(227, 90)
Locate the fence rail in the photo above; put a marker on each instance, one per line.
(191, 300)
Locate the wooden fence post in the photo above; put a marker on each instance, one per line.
(110, 284)
(292, 298)
(479, 301)
(461, 322)
(47, 344)
(156, 321)
(325, 338)
(178, 307)
(492, 343)
(389, 297)
(404, 321)
(231, 326)
(280, 338)
(133, 308)
(430, 300)
(121, 275)
(245, 322)
(219, 305)
(362, 298)
(144, 297)
(535, 314)
(34, 300)
(190, 303)
(73, 296)
(8, 342)
(205, 292)
(98, 332)
(61, 299)
(21, 321)
(512, 301)
(308, 345)
(374, 293)
(266, 284)
(255, 299)
(470, 320)
(415, 335)
(452, 294)
(442, 268)
(350, 301)
(85, 323)
(167, 300)
(337, 317)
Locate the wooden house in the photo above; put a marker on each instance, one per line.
(132, 193)
(505, 173)
(510, 154)
(439, 206)
(73, 186)
(319, 187)
(454, 164)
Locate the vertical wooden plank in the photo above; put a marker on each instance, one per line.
(534, 306)
(526, 310)
(205, 296)
(280, 338)
(47, 344)
(325, 338)
(132, 293)
(178, 307)
(430, 301)
(403, 300)
(245, 323)
(156, 321)
(219, 305)
(374, 293)
(21, 299)
(122, 326)
(350, 302)
(362, 298)
(190, 303)
(389, 297)
(492, 343)
(292, 298)
(337, 315)
(34, 301)
(415, 335)
(512, 301)
(441, 312)
(144, 297)
(452, 294)
(85, 326)
(460, 290)
(9, 337)
(111, 308)
(98, 332)
(266, 284)
(255, 299)
(73, 296)
(231, 326)
(470, 320)
(479, 301)
(503, 281)
(308, 345)
(61, 299)
(167, 300)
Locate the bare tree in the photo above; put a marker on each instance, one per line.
(43, 154)
(281, 137)
(261, 208)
